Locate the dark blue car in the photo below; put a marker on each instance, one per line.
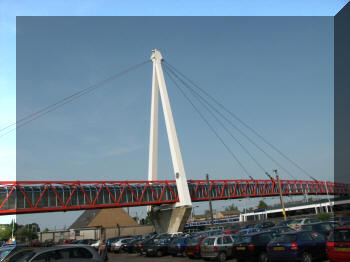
(177, 246)
(304, 246)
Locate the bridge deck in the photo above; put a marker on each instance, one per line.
(44, 196)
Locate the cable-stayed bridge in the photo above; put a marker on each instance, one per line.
(168, 201)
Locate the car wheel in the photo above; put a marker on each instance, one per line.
(306, 257)
(222, 257)
(159, 253)
(263, 257)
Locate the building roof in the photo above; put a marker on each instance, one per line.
(111, 217)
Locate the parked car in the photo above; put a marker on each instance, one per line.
(322, 227)
(156, 247)
(71, 253)
(301, 245)
(68, 241)
(35, 243)
(177, 246)
(139, 248)
(116, 246)
(252, 246)
(83, 242)
(48, 243)
(338, 245)
(217, 247)
(296, 224)
(193, 246)
(131, 246)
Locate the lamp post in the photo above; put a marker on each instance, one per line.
(192, 214)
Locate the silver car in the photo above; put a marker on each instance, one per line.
(217, 247)
(117, 245)
(74, 253)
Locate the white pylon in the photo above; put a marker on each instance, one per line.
(158, 84)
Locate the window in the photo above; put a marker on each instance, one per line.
(264, 238)
(317, 236)
(79, 253)
(48, 257)
(22, 255)
(219, 241)
(227, 240)
(306, 236)
(208, 241)
(342, 235)
(287, 238)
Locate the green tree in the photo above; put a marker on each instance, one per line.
(231, 208)
(262, 204)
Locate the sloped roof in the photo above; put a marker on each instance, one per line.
(110, 217)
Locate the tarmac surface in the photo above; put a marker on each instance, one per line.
(124, 257)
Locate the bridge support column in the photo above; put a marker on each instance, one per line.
(170, 220)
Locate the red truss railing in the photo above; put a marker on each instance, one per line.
(17, 197)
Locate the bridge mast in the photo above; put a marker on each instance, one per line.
(158, 83)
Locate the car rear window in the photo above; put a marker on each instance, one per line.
(209, 241)
(193, 241)
(326, 227)
(341, 235)
(244, 239)
(288, 238)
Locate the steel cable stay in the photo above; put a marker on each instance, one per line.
(35, 115)
(251, 129)
(228, 131)
(210, 126)
(208, 105)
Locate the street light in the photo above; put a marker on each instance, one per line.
(192, 214)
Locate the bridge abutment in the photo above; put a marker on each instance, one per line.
(171, 219)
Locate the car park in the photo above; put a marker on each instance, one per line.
(338, 245)
(193, 246)
(252, 246)
(217, 247)
(302, 245)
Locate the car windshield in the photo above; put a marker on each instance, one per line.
(175, 241)
(296, 221)
(4, 253)
(287, 238)
(342, 235)
(209, 241)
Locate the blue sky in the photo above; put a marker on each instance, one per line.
(257, 80)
